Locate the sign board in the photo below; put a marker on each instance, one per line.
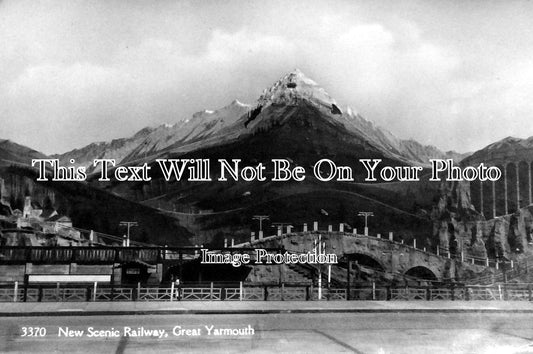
(69, 278)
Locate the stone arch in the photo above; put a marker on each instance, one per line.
(421, 272)
(366, 260)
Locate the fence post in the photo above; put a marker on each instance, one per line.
(94, 290)
(223, 293)
(373, 290)
(529, 292)
(467, 293)
(172, 291)
(266, 292)
(211, 292)
(26, 280)
(40, 294)
(138, 290)
(328, 296)
(282, 291)
(452, 286)
(15, 292)
(57, 291)
(348, 281)
(505, 296)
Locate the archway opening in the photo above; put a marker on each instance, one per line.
(421, 273)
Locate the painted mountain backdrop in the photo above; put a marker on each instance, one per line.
(294, 119)
(209, 128)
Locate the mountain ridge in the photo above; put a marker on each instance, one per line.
(231, 122)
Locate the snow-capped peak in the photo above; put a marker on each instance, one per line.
(293, 87)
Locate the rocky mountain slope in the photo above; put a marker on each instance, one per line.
(208, 128)
(11, 152)
(503, 151)
(294, 119)
(297, 120)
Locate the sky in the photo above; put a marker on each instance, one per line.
(454, 74)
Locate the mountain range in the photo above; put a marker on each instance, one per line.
(209, 128)
(294, 119)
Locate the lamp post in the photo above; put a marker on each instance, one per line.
(366, 214)
(260, 218)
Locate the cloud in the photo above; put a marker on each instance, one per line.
(70, 76)
(156, 81)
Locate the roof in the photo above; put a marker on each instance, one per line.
(48, 213)
(60, 218)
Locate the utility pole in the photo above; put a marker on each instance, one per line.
(128, 224)
(260, 218)
(366, 214)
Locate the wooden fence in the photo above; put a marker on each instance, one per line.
(260, 292)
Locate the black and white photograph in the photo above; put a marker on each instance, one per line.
(321, 176)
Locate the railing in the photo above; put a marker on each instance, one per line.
(287, 294)
(258, 292)
(408, 294)
(248, 294)
(329, 294)
(103, 254)
(154, 294)
(113, 294)
(64, 294)
(201, 293)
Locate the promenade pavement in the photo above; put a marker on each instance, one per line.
(16, 309)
